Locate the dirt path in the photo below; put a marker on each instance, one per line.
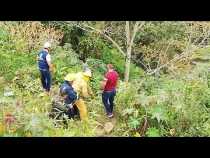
(105, 127)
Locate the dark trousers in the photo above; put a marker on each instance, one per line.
(45, 79)
(108, 100)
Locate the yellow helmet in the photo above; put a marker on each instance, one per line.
(70, 77)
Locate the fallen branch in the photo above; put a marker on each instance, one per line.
(145, 125)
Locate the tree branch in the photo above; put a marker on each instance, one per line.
(137, 27)
(99, 31)
(186, 52)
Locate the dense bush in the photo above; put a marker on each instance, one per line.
(29, 36)
(20, 42)
(65, 61)
(11, 62)
(176, 107)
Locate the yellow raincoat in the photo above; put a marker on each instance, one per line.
(81, 86)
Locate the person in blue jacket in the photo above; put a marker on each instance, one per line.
(69, 95)
(45, 67)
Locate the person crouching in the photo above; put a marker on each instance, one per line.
(69, 95)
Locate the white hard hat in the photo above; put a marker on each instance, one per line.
(47, 45)
(87, 73)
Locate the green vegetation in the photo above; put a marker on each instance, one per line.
(174, 101)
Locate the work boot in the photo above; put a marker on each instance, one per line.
(110, 115)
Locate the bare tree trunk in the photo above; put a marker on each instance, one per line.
(127, 65)
(128, 54)
(130, 40)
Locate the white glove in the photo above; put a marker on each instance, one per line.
(77, 96)
(70, 106)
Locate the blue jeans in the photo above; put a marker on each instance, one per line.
(45, 79)
(108, 100)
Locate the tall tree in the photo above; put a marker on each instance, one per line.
(130, 36)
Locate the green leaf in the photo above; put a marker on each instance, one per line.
(134, 122)
(159, 112)
(153, 132)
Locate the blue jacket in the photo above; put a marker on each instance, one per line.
(67, 89)
(42, 61)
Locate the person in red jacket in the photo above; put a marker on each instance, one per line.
(109, 89)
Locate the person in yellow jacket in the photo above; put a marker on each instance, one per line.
(81, 86)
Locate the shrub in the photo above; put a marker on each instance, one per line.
(113, 56)
(30, 36)
(65, 61)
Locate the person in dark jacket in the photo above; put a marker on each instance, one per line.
(69, 95)
(45, 67)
